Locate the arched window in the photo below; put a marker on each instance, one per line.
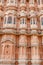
(23, 21)
(9, 20)
(41, 21)
(33, 21)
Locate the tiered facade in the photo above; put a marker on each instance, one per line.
(21, 32)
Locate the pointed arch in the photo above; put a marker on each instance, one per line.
(7, 40)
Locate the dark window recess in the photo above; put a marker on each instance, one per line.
(9, 20)
(33, 21)
(14, 21)
(23, 21)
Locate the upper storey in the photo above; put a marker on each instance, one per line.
(22, 6)
(22, 3)
(21, 13)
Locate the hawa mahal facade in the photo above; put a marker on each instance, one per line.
(21, 32)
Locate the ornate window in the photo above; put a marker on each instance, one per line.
(33, 20)
(9, 20)
(23, 21)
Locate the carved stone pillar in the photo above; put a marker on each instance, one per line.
(35, 50)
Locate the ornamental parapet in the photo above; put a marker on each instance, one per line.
(16, 31)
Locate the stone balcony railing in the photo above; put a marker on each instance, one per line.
(9, 60)
(22, 4)
(29, 45)
(13, 60)
(12, 31)
(18, 31)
